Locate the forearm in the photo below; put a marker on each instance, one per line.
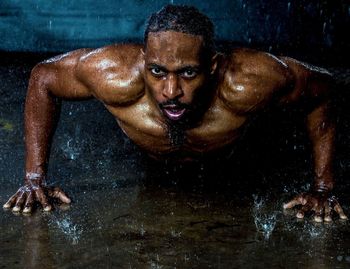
(321, 130)
(41, 110)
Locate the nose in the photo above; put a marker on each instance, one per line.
(171, 87)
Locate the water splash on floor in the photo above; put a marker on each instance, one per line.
(71, 149)
(312, 230)
(72, 231)
(265, 217)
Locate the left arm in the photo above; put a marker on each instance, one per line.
(314, 86)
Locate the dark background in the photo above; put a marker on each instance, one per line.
(294, 27)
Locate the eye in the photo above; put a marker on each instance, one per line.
(157, 72)
(189, 73)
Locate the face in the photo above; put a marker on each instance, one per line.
(175, 72)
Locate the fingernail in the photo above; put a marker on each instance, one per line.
(7, 205)
(27, 209)
(16, 209)
(47, 208)
(328, 219)
(343, 217)
(284, 206)
(318, 219)
(300, 215)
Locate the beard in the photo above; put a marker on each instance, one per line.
(176, 128)
(176, 134)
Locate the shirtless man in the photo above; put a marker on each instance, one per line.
(177, 98)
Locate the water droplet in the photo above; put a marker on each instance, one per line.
(142, 230)
(324, 27)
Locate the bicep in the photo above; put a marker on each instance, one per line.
(311, 92)
(309, 83)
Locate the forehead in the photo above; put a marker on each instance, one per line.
(173, 47)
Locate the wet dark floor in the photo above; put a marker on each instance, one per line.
(131, 212)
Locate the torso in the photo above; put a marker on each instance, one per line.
(218, 129)
(250, 80)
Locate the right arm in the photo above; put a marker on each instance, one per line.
(49, 82)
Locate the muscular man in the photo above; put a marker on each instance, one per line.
(178, 99)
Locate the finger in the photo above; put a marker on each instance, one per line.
(327, 212)
(318, 213)
(59, 194)
(339, 210)
(29, 203)
(19, 202)
(11, 201)
(43, 200)
(303, 210)
(299, 200)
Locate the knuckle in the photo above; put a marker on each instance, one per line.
(57, 192)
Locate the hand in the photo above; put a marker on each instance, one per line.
(35, 192)
(319, 202)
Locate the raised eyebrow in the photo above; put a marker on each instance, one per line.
(188, 67)
(157, 66)
(178, 71)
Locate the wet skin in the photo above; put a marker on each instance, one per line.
(172, 81)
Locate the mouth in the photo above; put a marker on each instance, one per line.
(173, 112)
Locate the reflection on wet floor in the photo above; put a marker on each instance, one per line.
(130, 212)
(138, 226)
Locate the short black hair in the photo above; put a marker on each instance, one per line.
(183, 19)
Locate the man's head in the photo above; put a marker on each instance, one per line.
(182, 19)
(179, 60)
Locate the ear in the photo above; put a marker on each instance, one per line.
(214, 63)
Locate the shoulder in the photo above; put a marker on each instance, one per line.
(113, 73)
(112, 54)
(251, 79)
(248, 63)
(60, 65)
(58, 75)
(309, 81)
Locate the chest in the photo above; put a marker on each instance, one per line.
(140, 122)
